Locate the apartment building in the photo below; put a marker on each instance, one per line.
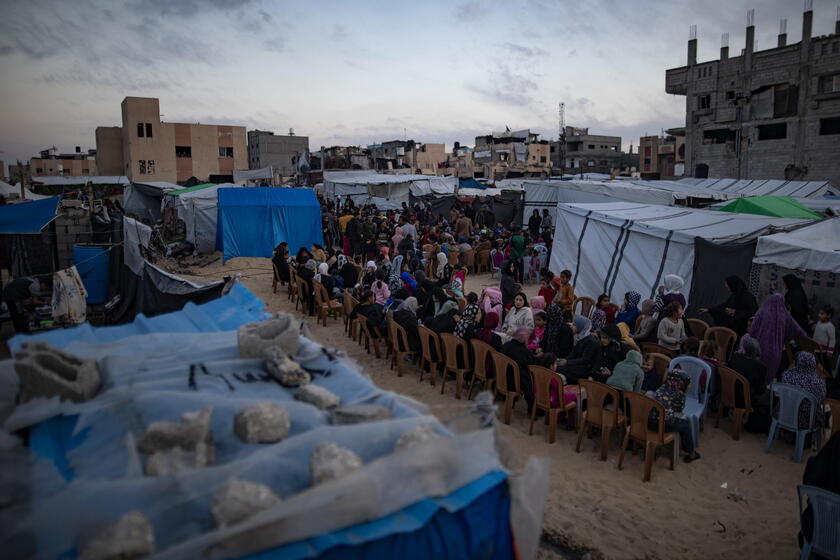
(519, 153)
(662, 157)
(407, 154)
(147, 149)
(51, 163)
(280, 151)
(585, 152)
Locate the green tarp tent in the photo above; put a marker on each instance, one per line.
(191, 189)
(778, 206)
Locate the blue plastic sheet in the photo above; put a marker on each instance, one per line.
(470, 184)
(253, 221)
(28, 217)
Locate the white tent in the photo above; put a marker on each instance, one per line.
(199, 210)
(815, 248)
(613, 248)
(82, 180)
(755, 187)
(386, 191)
(13, 192)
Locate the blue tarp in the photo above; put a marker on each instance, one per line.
(470, 184)
(28, 217)
(253, 221)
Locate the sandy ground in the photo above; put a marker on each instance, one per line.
(594, 507)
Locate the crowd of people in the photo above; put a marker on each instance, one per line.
(413, 265)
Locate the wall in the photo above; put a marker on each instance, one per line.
(277, 151)
(63, 167)
(109, 150)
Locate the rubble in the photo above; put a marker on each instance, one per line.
(331, 461)
(174, 446)
(286, 371)
(416, 436)
(238, 500)
(45, 371)
(318, 397)
(262, 422)
(163, 463)
(280, 331)
(130, 537)
(358, 413)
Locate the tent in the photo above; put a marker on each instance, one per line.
(754, 187)
(778, 206)
(13, 192)
(144, 200)
(612, 248)
(255, 220)
(470, 184)
(386, 191)
(28, 217)
(197, 206)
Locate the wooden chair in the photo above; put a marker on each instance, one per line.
(482, 261)
(654, 348)
(639, 407)
(275, 279)
(368, 331)
(834, 406)
(453, 257)
(429, 340)
(399, 345)
(350, 304)
(480, 352)
(468, 260)
(302, 296)
(324, 306)
(504, 367)
(697, 327)
(586, 305)
(347, 309)
(596, 416)
(542, 399)
(292, 283)
(725, 339)
(660, 363)
(451, 346)
(729, 379)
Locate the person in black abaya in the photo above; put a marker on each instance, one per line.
(822, 471)
(796, 300)
(738, 307)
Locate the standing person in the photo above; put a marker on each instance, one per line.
(517, 254)
(825, 335)
(773, 326)
(738, 307)
(564, 288)
(669, 292)
(408, 230)
(671, 332)
(547, 222)
(22, 292)
(534, 223)
(671, 395)
(796, 300)
(507, 283)
(463, 227)
(354, 235)
(804, 375)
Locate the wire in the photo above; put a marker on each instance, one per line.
(48, 274)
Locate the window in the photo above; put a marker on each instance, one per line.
(830, 126)
(719, 136)
(647, 150)
(775, 131)
(829, 84)
(86, 171)
(542, 159)
(704, 101)
(140, 130)
(39, 170)
(148, 130)
(183, 151)
(647, 161)
(591, 146)
(142, 164)
(150, 167)
(824, 49)
(730, 94)
(225, 152)
(835, 47)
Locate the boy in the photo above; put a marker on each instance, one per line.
(824, 334)
(565, 289)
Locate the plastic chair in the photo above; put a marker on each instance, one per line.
(785, 400)
(825, 510)
(292, 283)
(654, 348)
(729, 380)
(586, 305)
(542, 399)
(660, 363)
(505, 366)
(638, 408)
(596, 416)
(480, 352)
(834, 406)
(275, 278)
(462, 304)
(482, 261)
(428, 341)
(302, 295)
(697, 396)
(399, 344)
(725, 339)
(453, 257)
(468, 260)
(698, 327)
(367, 331)
(324, 306)
(350, 304)
(451, 346)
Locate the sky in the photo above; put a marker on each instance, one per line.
(361, 72)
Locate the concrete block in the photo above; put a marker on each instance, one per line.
(238, 500)
(359, 413)
(330, 461)
(130, 537)
(174, 446)
(285, 370)
(416, 436)
(280, 331)
(318, 397)
(45, 371)
(262, 422)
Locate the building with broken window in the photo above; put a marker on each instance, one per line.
(51, 163)
(662, 157)
(508, 154)
(278, 151)
(146, 149)
(587, 153)
(407, 154)
(768, 114)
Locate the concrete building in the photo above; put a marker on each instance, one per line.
(460, 162)
(51, 163)
(772, 114)
(265, 149)
(407, 154)
(662, 157)
(151, 150)
(584, 152)
(519, 153)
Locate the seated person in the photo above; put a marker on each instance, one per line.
(627, 375)
(749, 365)
(585, 356)
(517, 351)
(645, 330)
(406, 317)
(372, 311)
(671, 332)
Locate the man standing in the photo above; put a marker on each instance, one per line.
(517, 253)
(354, 235)
(546, 220)
(22, 292)
(463, 226)
(408, 228)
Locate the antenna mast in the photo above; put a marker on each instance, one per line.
(561, 138)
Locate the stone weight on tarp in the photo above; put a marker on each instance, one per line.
(130, 537)
(358, 413)
(262, 422)
(47, 372)
(330, 461)
(238, 500)
(280, 331)
(318, 397)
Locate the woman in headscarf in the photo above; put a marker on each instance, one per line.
(397, 238)
(796, 300)
(559, 336)
(670, 291)
(585, 357)
(325, 279)
(437, 304)
(406, 317)
(804, 375)
(303, 255)
(748, 363)
(394, 280)
(671, 395)
(519, 316)
(370, 274)
(508, 283)
(646, 331)
(628, 374)
(537, 304)
(349, 274)
(280, 259)
(442, 269)
(340, 261)
(318, 253)
(491, 300)
(773, 327)
(488, 332)
(409, 283)
(307, 273)
(629, 312)
(738, 307)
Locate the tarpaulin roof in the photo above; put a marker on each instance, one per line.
(815, 247)
(198, 207)
(778, 206)
(200, 187)
(240, 175)
(253, 221)
(753, 187)
(28, 217)
(385, 191)
(82, 180)
(470, 184)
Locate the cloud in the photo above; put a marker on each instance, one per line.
(473, 10)
(339, 32)
(527, 52)
(187, 8)
(506, 86)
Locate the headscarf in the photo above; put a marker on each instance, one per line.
(672, 393)
(394, 282)
(397, 237)
(311, 265)
(804, 375)
(673, 284)
(633, 299)
(384, 251)
(467, 319)
(625, 335)
(442, 261)
(583, 326)
(796, 299)
(494, 295)
(522, 334)
(340, 260)
(446, 307)
(408, 279)
(751, 347)
(772, 327)
(647, 307)
(323, 270)
(410, 304)
(537, 304)
(491, 321)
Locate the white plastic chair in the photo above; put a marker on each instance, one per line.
(493, 269)
(825, 510)
(697, 397)
(785, 400)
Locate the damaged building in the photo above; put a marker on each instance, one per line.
(519, 153)
(771, 114)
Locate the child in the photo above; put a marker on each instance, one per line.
(539, 331)
(534, 266)
(380, 289)
(565, 289)
(599, 312)
(496, 256)
(825, 335)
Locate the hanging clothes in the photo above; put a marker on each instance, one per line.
(69, 305)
